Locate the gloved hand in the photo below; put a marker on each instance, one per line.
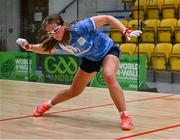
(23, 43)
(128, 33)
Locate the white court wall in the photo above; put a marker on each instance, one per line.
(10, 22)
(10, 15)
(87, 8)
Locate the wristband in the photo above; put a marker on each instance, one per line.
(27, 47)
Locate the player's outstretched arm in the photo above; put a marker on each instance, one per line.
(37, 48)
(102, 20)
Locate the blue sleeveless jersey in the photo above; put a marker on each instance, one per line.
(87, 41)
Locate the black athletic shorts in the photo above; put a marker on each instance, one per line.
(94, 66)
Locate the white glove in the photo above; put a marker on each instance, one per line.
(23, 43)
(128, 33)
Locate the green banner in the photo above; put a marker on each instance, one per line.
(60, 68)
(127, 74)
(17, 65)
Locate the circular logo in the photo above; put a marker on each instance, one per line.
(7, 68)
(62, 65)
(99, 77)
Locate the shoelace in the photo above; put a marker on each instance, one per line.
(127, 119)
(40, 109)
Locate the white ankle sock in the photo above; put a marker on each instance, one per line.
(125, 112)
(50, 103)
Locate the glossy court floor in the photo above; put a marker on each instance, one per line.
(92, 115)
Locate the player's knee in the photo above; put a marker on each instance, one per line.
(109, 78)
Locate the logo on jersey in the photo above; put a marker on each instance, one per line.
(69, 49)
(81, 41)
(78, 48)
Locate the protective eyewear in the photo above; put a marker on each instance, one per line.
(54, 30)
